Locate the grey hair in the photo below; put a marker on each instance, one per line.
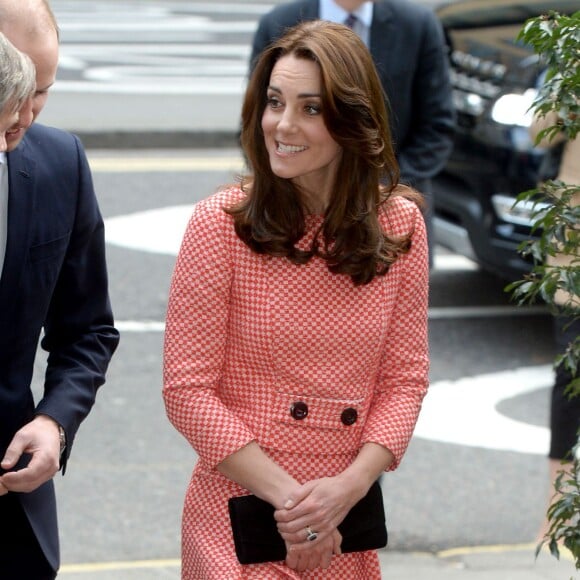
(17, 76)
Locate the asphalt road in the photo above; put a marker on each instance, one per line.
(467, 479)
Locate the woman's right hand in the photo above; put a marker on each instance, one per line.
(316, 554)
(320, 504)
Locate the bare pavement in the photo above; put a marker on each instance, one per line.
(161, 115)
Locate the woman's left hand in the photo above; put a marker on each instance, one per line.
(316, 555)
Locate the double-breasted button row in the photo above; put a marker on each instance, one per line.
(299, 411)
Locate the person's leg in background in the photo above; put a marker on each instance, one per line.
(564, 411)
(425, 186)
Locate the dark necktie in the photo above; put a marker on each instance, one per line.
(351, 20)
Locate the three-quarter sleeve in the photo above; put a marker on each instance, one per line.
(403, 374)
(196, 334)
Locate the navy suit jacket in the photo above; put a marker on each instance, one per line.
(54, 278)
(408, 48)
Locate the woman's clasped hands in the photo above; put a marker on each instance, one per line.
(309, 521)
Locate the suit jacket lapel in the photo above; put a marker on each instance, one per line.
(20, 212)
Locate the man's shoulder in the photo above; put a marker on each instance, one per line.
(291, 11)
(407, 9)
(48, 143)
(52, 149)
(39, 134)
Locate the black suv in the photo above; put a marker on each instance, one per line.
(494, 82)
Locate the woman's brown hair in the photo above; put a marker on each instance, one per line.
(270, 220)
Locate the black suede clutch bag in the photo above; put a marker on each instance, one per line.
(256, 536)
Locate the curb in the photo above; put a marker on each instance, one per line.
(158, 139)
(443, 555)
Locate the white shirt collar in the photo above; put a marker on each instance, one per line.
(331, 11)
(2, 157)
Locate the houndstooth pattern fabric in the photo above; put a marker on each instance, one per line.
(248, 335)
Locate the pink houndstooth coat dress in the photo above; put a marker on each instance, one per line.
(249, 335)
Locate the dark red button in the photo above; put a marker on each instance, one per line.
(299, 410)
(349, 416)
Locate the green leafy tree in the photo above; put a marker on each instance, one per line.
(556, 232)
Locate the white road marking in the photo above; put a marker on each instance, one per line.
(173, 48)
(454, 262)
(158, 231)
(139, 326)
(464, 412)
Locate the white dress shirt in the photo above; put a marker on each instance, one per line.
(3, 207)
(332, 12)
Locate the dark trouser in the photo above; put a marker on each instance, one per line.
(425, 187)
(21, 557)
(565, 412)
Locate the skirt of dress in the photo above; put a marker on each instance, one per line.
(208, 551)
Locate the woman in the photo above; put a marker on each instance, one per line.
(296, 342)
(17, 85)
(564, 411)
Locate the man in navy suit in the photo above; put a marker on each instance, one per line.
(408, 47)
(54, 280)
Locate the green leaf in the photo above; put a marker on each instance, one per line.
(555, 231)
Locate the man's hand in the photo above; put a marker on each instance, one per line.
(40, 439)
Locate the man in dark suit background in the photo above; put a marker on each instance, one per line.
(54, 279)
(408, 47)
